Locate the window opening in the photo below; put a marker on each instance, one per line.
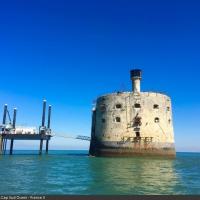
(118, 119)
(156, 120)
(118, 106)
(156, 106)
(137, 105)
(137, 134)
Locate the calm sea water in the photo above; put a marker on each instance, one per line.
(73, 172)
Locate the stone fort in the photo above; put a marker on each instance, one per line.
(132, 123)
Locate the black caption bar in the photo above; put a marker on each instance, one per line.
(99, 197)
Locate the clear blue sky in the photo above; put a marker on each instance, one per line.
(69, 52)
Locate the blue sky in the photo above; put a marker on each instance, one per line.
(70, 52)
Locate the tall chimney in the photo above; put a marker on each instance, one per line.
(136, 75)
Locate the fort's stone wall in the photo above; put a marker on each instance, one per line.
(129, 119)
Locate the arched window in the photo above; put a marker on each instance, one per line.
(156, 120)
(168, 108)
(118, 106)
(156, 106)
(117, 119)
(137, 105)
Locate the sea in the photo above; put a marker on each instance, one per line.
(75, 173)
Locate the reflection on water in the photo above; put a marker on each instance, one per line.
(133, 176)
(75, 173)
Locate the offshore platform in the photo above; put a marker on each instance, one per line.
(10, 132)
(132, 123)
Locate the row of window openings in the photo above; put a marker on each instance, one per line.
(137, 105)
(155, 106)
(118, 119)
